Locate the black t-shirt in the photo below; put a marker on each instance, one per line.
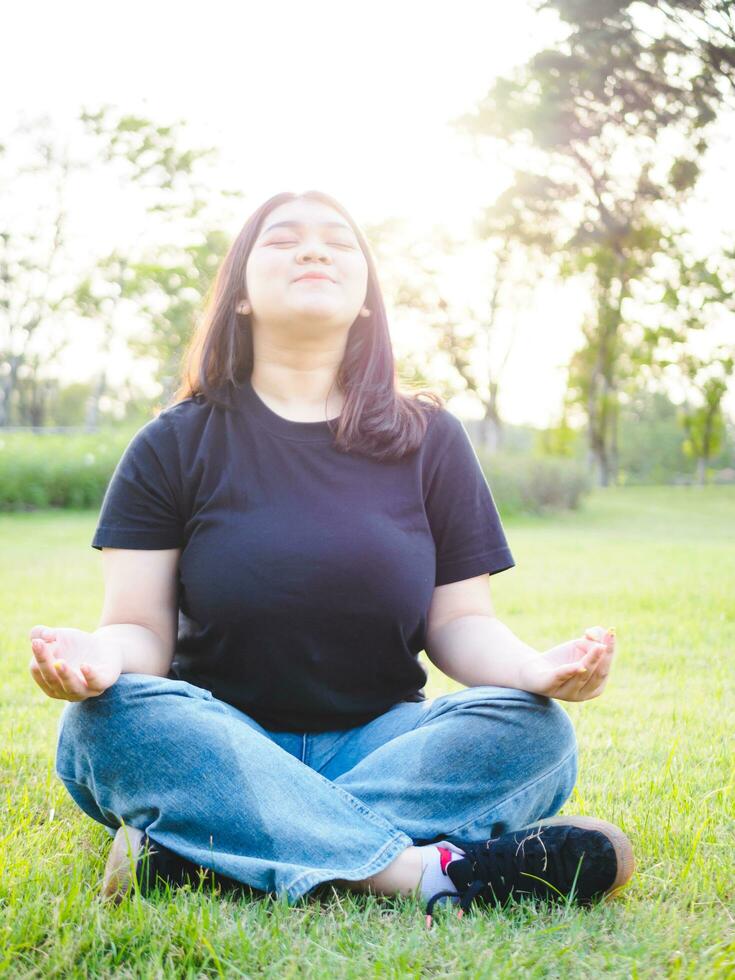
(306, 574)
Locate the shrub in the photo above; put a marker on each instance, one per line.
(533, 484)
(56, 470)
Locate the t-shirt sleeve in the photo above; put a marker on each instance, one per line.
(141, 507)
(464, 520)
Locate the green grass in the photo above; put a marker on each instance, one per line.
(656, 757)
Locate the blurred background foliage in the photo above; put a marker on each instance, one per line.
(608, 134)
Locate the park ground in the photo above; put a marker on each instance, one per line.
(656, 758)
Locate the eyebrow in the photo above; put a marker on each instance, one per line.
(300, 224)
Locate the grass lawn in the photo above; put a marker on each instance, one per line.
(657, 758)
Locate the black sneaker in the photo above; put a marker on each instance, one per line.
(575, 859)
(151, 861)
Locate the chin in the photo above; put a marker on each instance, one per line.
(316, 309)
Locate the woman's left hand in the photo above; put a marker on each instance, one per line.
(573, 671)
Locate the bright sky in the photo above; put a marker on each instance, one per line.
(352, 99)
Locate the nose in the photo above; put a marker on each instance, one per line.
(312, 250)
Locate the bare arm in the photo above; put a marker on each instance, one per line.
(467, 641)
(136, 634)
(141, 649)
(140, 614)
(479, 649)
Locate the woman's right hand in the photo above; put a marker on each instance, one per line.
(72, 664)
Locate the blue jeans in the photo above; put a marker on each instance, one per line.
(285, 812)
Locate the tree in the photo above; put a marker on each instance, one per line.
(42, 286)
(650, 439)
(473, 339)
(701, 30)
(169, 288)
(694, 297)
(165, 285)
(704, 424)
(34, 281)
(583, 123)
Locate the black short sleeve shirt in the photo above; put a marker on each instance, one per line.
(306, 574)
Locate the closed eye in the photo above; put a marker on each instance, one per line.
(292, 242)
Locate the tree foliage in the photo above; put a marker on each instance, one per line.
(583, 124)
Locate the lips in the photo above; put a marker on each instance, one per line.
(313, 275)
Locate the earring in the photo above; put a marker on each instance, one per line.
(365, 311)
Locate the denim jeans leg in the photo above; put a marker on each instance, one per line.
(209, 783)
(466, 766)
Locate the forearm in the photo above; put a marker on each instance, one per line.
(142, 651)
(477, 650)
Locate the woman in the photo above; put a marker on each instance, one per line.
(293, 530)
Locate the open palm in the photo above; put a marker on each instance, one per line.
(70, 663)
(575, 670)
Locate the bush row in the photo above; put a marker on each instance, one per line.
(55, 470)
(39, 470)
(527, 484)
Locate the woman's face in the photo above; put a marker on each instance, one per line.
(316, 239)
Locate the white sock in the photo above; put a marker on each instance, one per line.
(434, 877)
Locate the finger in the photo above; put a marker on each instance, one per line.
(601, 636)
(568, 679)
(69, 679)
(598, 674)
(566, 672)
(595, 633)
(61, 675)
(589, 677)
(38, 678)
(591, 659)
(562, 679)
(607, 637)
(569, 690)
(44, 660)
(584, 669)
(42, 633)
(92, 679)
(591, 690)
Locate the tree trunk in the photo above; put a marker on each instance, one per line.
(614, 456)
(91, 421)
(492, 425)
(8, 384)
(597, 458)
(596, 435)
(37, 403)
